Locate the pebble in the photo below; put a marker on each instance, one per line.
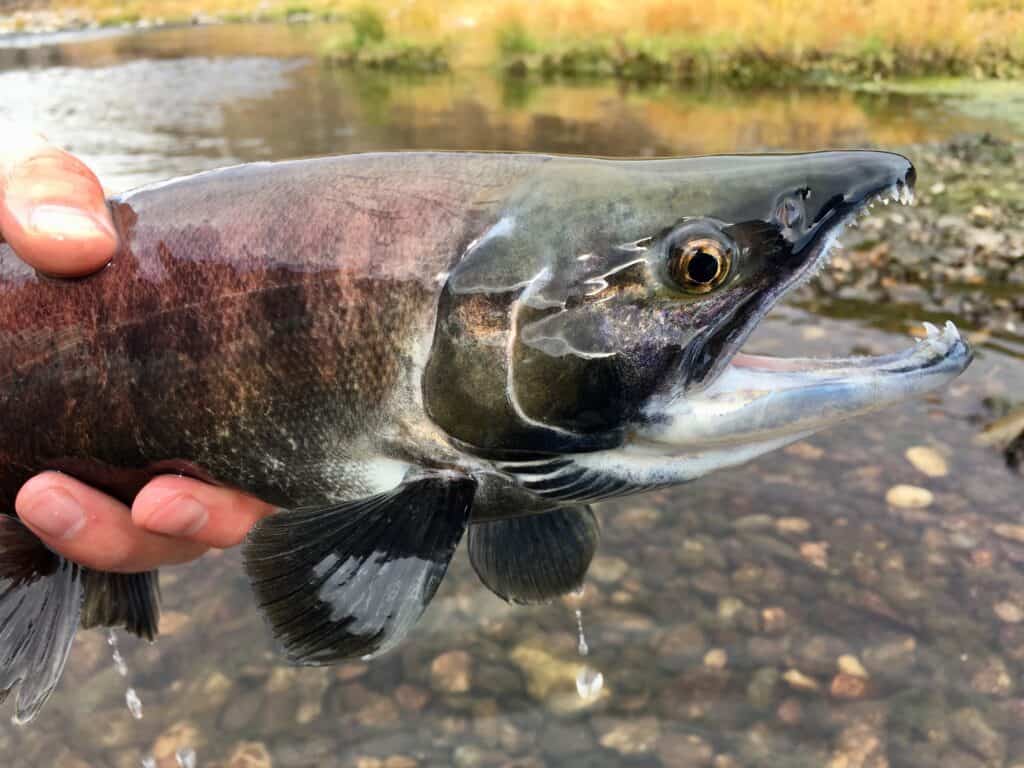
(608, 570)
(973, 732)
(796, 526)
(754, 523)
(790, 711)
(551, 680)
(815, 553)
(992, 678)
(761, 688)
(451, 672)
(686, 642)
(181, 735)
(845, 686)
(631, 737)
(684, 750)
(893, 658)
(909, 497)
(172, 622)
(637, 517)
(775, 619)
(849, 664)
(716, 658)
(411, 698)
(1008, 612)
(927, 461)
(1009, 531)
(250, 754)
(859, 745)
(805, 450)
(798, 681)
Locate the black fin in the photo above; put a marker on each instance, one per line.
(351, 580)
(536, 558)
(40, 604)
(127, 600)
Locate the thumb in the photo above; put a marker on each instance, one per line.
(53, 212)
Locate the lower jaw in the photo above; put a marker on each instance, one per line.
(765, 399)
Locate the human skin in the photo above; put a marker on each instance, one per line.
(53, 213)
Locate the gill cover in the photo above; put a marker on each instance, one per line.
(526, 355)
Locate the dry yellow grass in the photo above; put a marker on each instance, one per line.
(774, 26)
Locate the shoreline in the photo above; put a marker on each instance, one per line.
(363, 39)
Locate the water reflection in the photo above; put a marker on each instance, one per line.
(213, 95)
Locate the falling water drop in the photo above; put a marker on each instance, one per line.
(589, 683)
(119, 663)
(186, 757)
(581, 644)
(131, 698)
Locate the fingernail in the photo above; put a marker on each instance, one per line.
(180, 516)
(55, 513)
(63, 223)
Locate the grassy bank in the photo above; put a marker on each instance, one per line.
(658, 40)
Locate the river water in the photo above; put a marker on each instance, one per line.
(793, 612)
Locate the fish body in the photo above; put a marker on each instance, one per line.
(395, 348)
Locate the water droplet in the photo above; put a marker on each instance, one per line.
(119, 664)
(589, 683)
(579, 592)
(149, 762)
(581, 645)
(131, 698)
(186, 757)
(111, 638)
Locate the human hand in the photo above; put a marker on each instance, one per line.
(54, 214)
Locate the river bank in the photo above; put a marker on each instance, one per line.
(651, 41)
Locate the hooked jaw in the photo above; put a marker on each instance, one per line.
(745, 405)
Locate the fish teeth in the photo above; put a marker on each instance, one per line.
(942, 340)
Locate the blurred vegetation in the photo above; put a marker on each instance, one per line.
(740, 41)
(368, 44)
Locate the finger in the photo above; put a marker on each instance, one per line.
(53, 212)
(181, 506)
(94, 530)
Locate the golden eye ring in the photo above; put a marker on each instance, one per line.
(699, 266)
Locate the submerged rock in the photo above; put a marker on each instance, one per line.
(631, 737)
(451, 672)
(976, 734)
(250, 754)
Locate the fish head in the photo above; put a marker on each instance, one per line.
(607, 306)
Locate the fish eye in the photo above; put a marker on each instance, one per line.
(699, 265)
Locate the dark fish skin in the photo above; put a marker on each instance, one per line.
(250, 350)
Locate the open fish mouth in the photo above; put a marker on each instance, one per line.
(757, 401)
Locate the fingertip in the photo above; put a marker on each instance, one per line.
(49, 505)
(171, 505)
(54, 214)
(167, 507)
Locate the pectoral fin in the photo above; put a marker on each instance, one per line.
(537, 558)
(351, 580)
